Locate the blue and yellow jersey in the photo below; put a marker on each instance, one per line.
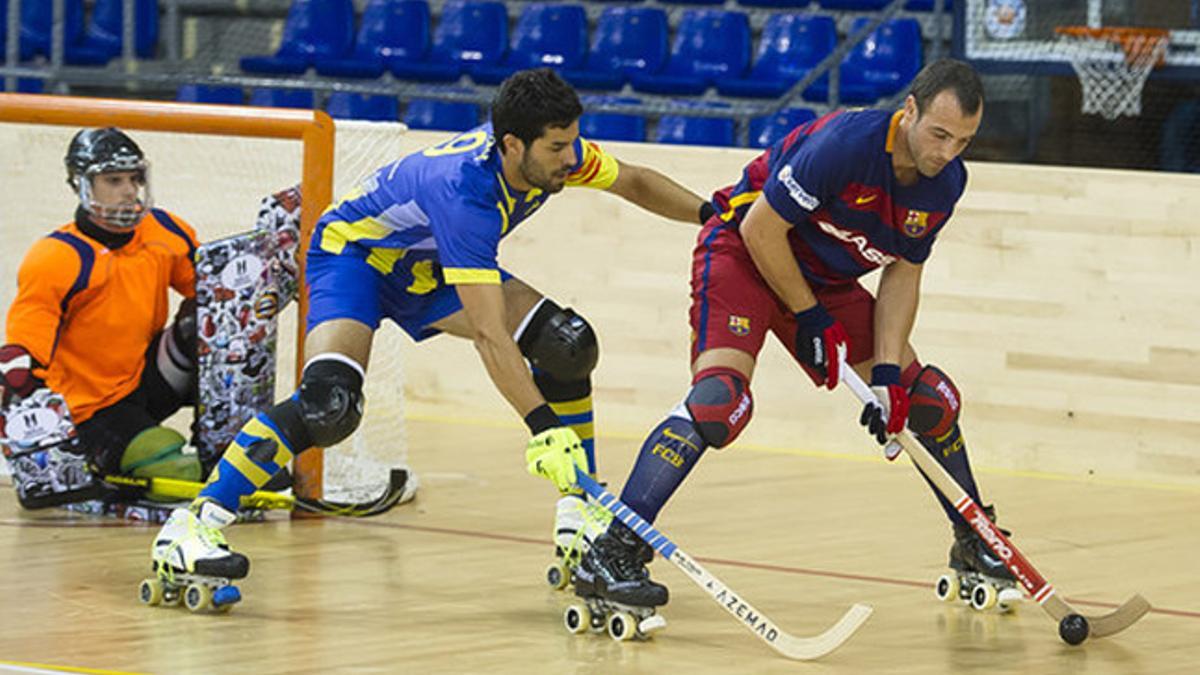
(437, 216)
(833, 179)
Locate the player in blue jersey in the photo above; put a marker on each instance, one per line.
(416, 242)
(840, 196)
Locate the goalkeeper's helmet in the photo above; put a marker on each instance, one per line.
(96, 151)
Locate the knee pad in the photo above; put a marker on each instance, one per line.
(720, 405)
(935, 403)
(559, 343)
(331, 400)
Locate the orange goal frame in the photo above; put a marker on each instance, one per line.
(313, 128)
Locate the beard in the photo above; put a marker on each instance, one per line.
(547, 182)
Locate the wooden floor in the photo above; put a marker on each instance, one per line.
(453, 582)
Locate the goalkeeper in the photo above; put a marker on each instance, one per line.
(89, 320)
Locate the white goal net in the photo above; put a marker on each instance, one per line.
(216, 184)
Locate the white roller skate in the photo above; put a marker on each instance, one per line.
(617, 592)
(192, 562)
(577, 523)
(977, 576)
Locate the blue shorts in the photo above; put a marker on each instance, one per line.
(345, 286)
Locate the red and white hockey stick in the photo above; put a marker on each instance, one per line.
(1038, 588)
(800, 648)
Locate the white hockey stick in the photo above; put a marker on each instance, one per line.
(1038, 588)
(800, 648)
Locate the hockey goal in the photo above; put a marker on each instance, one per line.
(212, 165)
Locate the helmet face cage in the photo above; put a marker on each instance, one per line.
(98, 151)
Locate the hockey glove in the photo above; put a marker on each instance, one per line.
(889, 413)
(818, 337)
(16, 373)
(554, 454)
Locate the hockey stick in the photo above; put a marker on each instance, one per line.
(1034, 584)
(801, 648)
(395, 493)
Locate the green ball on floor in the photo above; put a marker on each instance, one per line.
(158, 452)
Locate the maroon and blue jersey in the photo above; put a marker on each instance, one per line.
(832, 178)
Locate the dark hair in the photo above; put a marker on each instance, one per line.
(531, 100)
(945, 74)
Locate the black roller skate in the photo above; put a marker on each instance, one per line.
(977, 576)
(616, 588)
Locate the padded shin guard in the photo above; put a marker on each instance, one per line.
(666, 458)
(259, 451)
(572, 402)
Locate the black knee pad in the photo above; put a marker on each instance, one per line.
(560, 343)
(934, 403)
(720, 405)
(331, 400)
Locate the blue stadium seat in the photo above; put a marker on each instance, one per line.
(345, 105)
(604, 126)
(468, 34)
(198, 93)
(106, 34)
(710, 46)
(313, 29)
(776, 4)
(696, 2)
(391, 29)
(627, 41)
(553, 36)
(884, 63)
(855, 5)
(766, 130)
(926, 5)
(451, 116)
(37, 19)
(791, 45)
(686, 130)
(282, 98)
(27, 85)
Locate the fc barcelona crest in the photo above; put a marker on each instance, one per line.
(916, 224)
(739, 325)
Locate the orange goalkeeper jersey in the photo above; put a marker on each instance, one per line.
(88, 313)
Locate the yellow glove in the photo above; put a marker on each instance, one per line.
(554, 454)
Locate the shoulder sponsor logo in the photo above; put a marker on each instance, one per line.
(916, 224)
(796, 191)
(870, 253)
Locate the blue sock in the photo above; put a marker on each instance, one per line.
(248, 463)
(667, 456)
(951, 451)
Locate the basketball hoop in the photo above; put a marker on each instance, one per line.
(1112, 64)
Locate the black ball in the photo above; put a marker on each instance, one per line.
(1073, 629)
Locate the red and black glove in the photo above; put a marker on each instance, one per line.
(16, 373)
(889, 415)
(818, 337)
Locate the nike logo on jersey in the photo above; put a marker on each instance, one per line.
(864, 199)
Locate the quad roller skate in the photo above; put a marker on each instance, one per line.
(577, 523)
(192, 563)
(977, 576)
(617, 593)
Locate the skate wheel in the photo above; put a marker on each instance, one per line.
(150, 592)
(651, 625)
(621, 626)
(197, 597)
(577, 619)
(983, 597)
(557, 575)
(947, 587)
(1008, 600)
